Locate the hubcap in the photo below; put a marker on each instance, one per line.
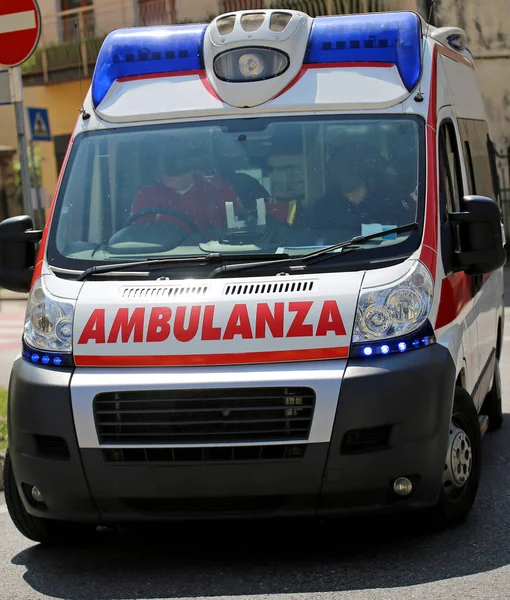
(459, 460)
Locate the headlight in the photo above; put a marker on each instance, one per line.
(394, 311)
(48, 322)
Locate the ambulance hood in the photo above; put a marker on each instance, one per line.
(215, 322)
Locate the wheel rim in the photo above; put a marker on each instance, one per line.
(459, 461)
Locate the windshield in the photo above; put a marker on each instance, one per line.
(288, 185)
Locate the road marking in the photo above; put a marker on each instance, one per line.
(18, 21)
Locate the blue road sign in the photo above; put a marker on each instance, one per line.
(39, 124)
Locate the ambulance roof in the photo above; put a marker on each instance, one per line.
(166, 72)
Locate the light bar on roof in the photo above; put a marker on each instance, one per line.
(147, 51)
(369, 38)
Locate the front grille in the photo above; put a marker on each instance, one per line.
(204, 416)
(209, 454)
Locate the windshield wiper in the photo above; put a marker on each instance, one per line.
(152, 264)
(317, 256)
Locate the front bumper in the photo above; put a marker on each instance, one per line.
(392, 418)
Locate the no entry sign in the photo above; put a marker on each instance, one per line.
(20, 28)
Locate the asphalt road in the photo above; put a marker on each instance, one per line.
(383, 559)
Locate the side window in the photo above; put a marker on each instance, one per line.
(468, 161)
(494, 170)
(450, 179)
(475, 137)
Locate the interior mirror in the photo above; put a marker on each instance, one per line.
(480, 234)
(18, 247)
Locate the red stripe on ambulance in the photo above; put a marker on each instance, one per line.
(234, 358)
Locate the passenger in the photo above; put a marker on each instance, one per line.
(357, 194)
(183, 189)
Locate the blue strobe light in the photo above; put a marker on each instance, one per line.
(146, 51)
(369, 38)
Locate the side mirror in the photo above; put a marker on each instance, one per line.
(18, 241)
(482, 245)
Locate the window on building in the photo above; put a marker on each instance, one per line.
(76, 19)
(226, 6)
(155, 12)
(314, 8)
(345, 7)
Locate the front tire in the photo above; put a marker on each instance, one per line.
(45, 531)
(462, 468)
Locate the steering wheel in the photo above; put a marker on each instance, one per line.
(161, 210)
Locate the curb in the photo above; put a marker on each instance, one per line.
(2, 459)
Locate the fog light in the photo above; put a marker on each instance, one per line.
(36, 495)
(402, 486)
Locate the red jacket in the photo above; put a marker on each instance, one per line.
(204, 203)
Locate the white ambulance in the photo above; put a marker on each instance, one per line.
(270, 284)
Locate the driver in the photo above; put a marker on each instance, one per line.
(182, 189)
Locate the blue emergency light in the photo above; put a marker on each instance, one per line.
(393, 38)
(419, 339)
(49, 359)
(147, 51)
(371, 38)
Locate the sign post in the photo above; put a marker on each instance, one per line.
(17, 97)
(20, 29)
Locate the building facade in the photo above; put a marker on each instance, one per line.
(59, 73)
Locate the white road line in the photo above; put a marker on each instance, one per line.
(18, 21)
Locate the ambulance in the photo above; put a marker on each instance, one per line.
(270, 283)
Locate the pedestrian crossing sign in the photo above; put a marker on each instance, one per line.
(39, 124)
